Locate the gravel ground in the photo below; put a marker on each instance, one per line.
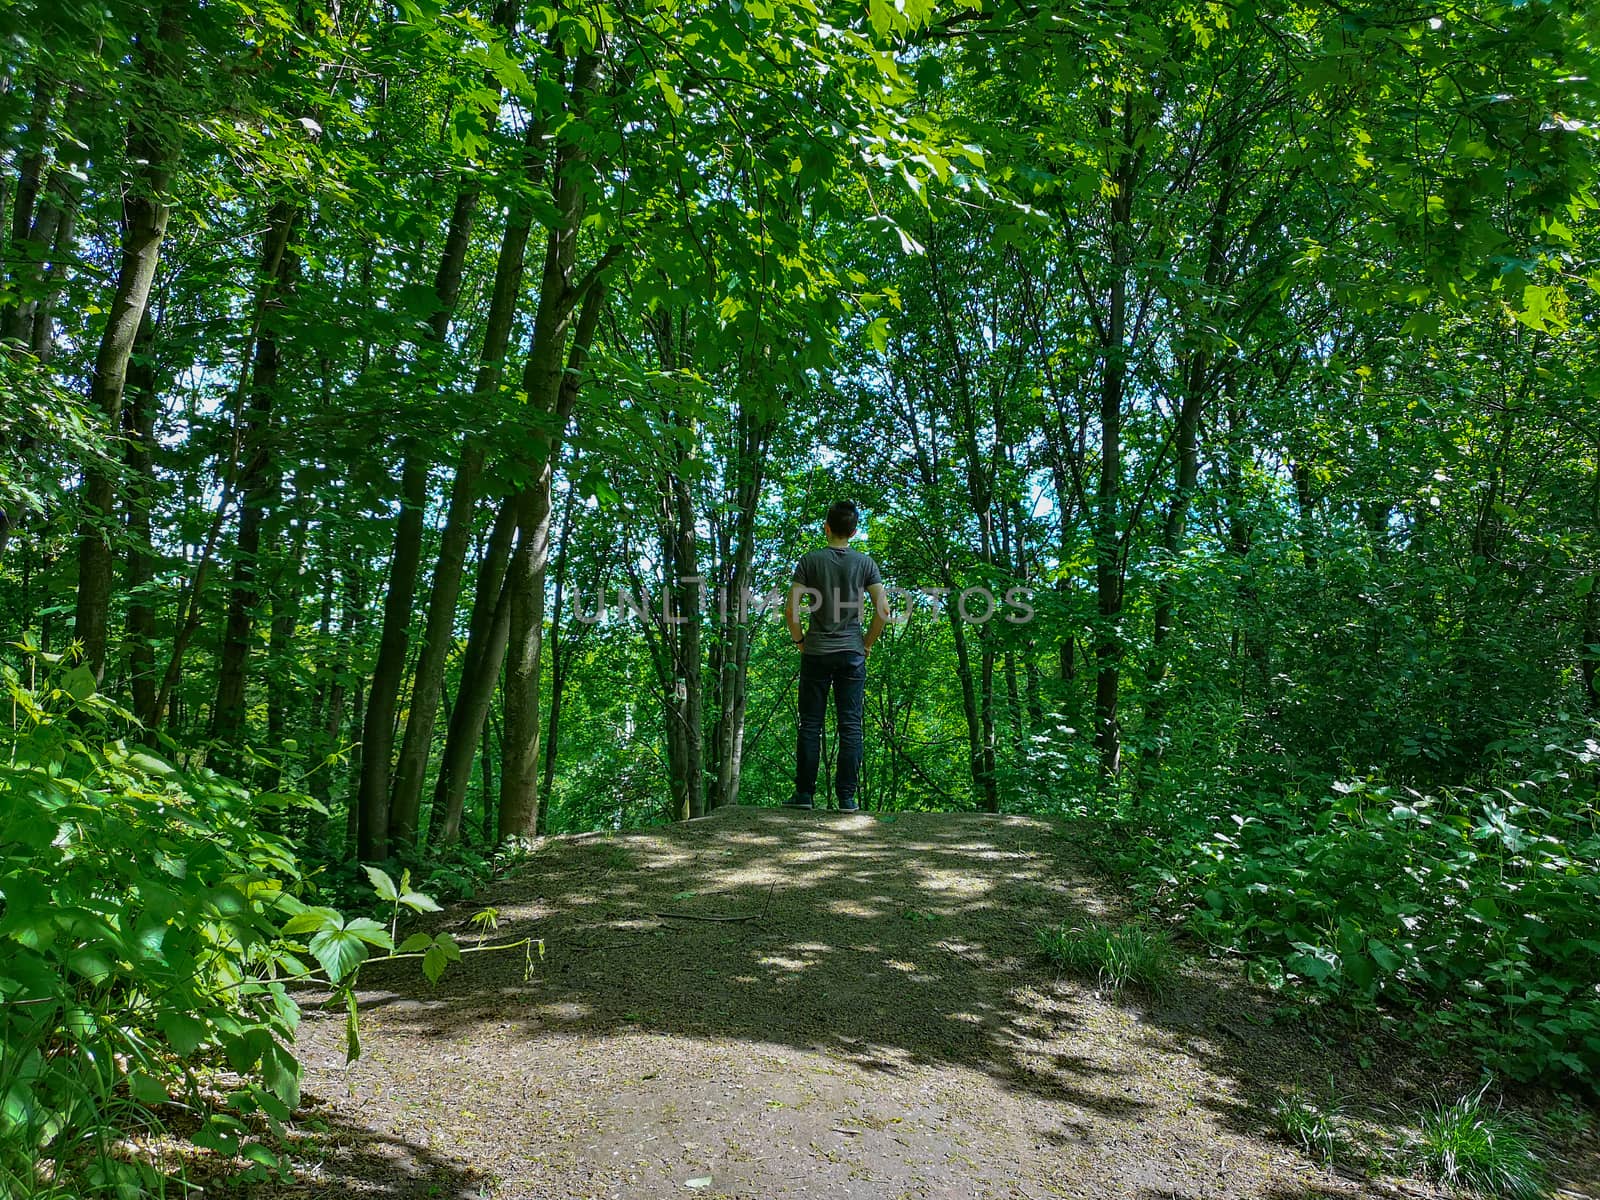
(873, 1021)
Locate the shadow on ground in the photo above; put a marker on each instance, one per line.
(335, 1156)
(896, 945)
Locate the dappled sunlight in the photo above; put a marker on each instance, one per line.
(561, 1011)
(754, 876)
(723, 947)
(810, 947)
(784, 963)
(954, 882)
(852, 908)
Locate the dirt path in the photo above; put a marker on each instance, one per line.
(880, 1027)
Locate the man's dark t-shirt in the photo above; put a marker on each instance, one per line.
(841, 576)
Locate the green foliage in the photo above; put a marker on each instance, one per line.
(1116, 956)
(1466, 913)
(142, 945)
(1257, 342)
(152, 924)
(1466, 1144)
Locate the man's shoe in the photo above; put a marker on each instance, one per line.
(849, 806)
(799, 802)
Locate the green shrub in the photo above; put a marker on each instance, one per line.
(1467, 913)
(150, 924)
(139, 928)
(1116, 956)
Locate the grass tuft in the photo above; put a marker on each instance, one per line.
(1116, 956)
(1468, 1145)
(1314, 1127)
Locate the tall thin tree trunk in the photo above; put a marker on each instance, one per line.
(558, 660)
(378, 819)
(1188, 472)
(519, 768)
(139, 426)
(551, 396)
(734, 662)
(983, 781)
(685, 719)
(487, 632)
(1589, 620)
(352, 822)
(490, 811)
(258, 485)
(145, 211)
(281, 689)
(377, 728)
(32, 144)
(1108, 491)
(448, 571)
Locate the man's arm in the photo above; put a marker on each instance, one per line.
(791, 612)
(880, 613)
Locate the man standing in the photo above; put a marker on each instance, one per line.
(833, 653)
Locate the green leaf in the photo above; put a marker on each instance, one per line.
(418, 902)
(78, 683)
(371, 932)
(441, 951)
(1386, 958)
(382, 883)
(16, 1107)
(352, 1028)
(280, 1071)
(150, 764)
(417, 941)
(92, 963)
(312, 920)
(146, 1089)
(265, 1157)
(339, 951)
(183, 1032)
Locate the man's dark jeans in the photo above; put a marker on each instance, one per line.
(845, 672)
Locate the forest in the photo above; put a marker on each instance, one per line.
(408, 413)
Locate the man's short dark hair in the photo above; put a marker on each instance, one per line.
(843, 516)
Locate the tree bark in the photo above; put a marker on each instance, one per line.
(551, 396)
(139, 424)
(258, 485)
(377, 728)
(380, 820)
(448, 572)
(558, 658)
(487, 632)
(1108, 571)
(281, 689)
(733, 661)
(144, 224)
(520, 747)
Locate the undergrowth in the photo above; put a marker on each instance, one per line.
(153, 923)
(1115, 956)
(1465, 914)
